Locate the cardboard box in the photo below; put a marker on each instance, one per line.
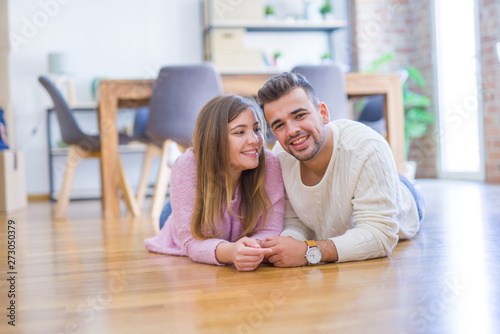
(4, 27)
(228, 53)
(12, 181)
(227, 40)
(245, 60)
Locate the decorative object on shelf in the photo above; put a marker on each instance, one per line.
(326, 58)
(312, 11)
(94, 88)
(277, 59)
(60, 67)
(287, 9)
(270, 13)
(327, 10)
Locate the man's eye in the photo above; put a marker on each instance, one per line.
(277, 127)
(300, 115)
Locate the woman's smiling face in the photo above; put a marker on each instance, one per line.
(245, 142)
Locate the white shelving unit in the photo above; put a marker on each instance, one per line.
(247, 45)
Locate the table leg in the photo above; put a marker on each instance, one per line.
(109, 151)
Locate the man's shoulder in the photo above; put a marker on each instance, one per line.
(348, 125)
(353, 134)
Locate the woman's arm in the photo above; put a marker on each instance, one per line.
(183, 195)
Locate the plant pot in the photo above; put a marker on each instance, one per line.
(328, 17)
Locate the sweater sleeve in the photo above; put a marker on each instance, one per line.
(374, 206)
(183, 195)
(293, 225)
(276, 192)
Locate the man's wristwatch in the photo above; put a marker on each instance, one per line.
(313, 254)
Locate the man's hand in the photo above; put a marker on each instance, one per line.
(286, 251)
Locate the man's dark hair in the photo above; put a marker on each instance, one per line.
(282, 84)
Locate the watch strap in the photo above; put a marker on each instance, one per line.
(311, 243)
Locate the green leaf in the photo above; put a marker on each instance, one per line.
(326, 55)
(419, 115)
(415, 75)
(377, 64)
(327, 7)
(412, 100)
(415, 129)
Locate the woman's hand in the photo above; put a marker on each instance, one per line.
(246, 253)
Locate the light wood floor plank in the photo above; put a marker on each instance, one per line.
(86, 274)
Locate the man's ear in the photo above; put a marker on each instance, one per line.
(325, 114)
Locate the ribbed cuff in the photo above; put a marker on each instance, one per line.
(346, 248)
(294, 233)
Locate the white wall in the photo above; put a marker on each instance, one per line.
(111, 39)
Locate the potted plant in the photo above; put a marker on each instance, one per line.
(270, 12)
(326, 10)
(277, 56)
(417, 118)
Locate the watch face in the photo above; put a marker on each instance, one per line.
(313, 255)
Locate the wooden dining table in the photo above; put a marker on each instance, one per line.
(115, 94)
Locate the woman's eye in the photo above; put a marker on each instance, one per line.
(257, 129)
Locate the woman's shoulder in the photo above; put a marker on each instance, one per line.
(186, 159)
(272, 161)
(185, 164)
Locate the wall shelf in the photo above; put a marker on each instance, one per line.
(280, 26)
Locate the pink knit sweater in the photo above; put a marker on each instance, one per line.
(175, 237)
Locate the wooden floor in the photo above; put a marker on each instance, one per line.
(89, 275)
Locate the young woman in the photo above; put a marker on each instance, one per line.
(227, 192)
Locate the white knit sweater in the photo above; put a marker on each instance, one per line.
(360, 204)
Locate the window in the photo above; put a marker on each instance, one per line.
(460, 144)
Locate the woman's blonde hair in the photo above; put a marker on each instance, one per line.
(214, 188)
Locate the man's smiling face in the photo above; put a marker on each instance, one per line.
(297, 123)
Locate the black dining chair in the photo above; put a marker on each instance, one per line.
(179, 93)
(81, 146)
(328, 82)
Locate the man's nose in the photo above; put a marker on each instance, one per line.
(292, 129)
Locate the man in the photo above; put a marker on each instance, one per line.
(344, 196)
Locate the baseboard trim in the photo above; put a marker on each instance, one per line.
(39, 198)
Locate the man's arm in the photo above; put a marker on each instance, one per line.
(289, 252)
